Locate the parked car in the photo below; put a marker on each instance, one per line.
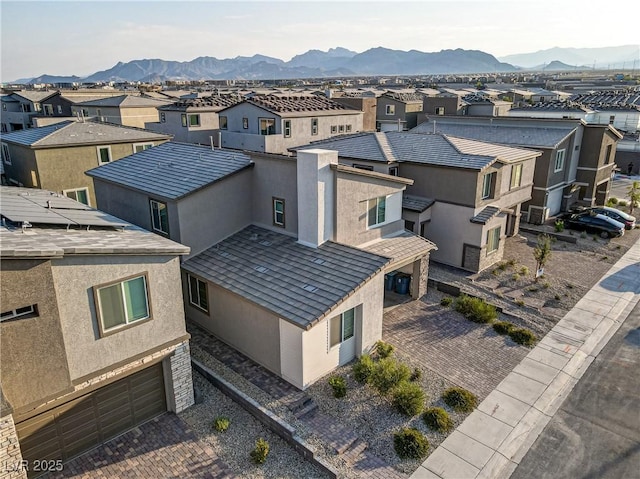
(613, 213)
(593, 223)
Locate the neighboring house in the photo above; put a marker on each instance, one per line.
(397, 111)
(443, 104)
(576, 163)
(127, 110)
(554, 110)
(619, 108)
(273, 124)
(18, 108)
(466, 195)
(92, 331)
(289, 254)
(55, 157)
(479, 105)
(193, 120)
(365, 101)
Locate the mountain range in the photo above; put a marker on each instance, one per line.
(341, 62)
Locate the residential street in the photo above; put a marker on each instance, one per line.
(596, 432)
(620, 185)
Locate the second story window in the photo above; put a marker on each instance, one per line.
(245, 123)
(25, 311)
(376, 211)
(559, 163)
(286, 128)
(393, 171)
(439, 110)
(267, 126)
(104, 154)
(348, 128)
(314, 126)
(159, 217)
(194, 120)
(278, 212)
(6, 157)
(198, 296)
(516, 176)
(122, 303)
(138, 147)
(223, 123)
(390, 109)
(334, 129)
(608, 156)
(183, 119)
(487, 185)
(81, 195)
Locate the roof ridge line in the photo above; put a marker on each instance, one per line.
(385, 147)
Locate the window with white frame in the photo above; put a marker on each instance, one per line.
(493, 239)
(159, 217)
(194, 120)
(4, 106)
(81, 195)
(487, 185)
(390, 109)
(183, 119)
(376, 211)
(393, 171)
(223, 122)
(314, 126)
(6, 157)
(440, 110)
(31, 310)
(278, 212)
(122, 303)
(104, 154)
(286, 128)
(341, 128)
(245, 123)
(48, 109)
(334, 129)
(348, 128)
(516, 176)
(559, 163)
(59, 109)
(198, 295)
(267, 126)
(342, 327)
(138, 147)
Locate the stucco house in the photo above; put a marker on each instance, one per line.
(19, 108)
(55, 157)
(92, 331)
(127, 110)
(275, 123)
(398, 110)
(290, 268)
(466, 195)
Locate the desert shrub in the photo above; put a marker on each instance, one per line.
(523, 336)
(503, 327)
(383, 349)
(524, 271)
(362, 368)
(476, 309)
(516, 276)
(416, 375)
(446, 301)
(612, 201)
(622, 203)
(408, 398)
(221, 423)
(438, 419)
(387, 374)
(410, 443)
(511, 262)
(559, 226)
(339, 385)
(501, 266)
(261, 451)
(520, 302)
(459, 399)
(557, 297)
(546, 285)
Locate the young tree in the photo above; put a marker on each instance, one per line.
(634, 195)
(542, 252)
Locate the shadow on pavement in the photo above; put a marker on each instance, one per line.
(624, 280)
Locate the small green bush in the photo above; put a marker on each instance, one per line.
(261, 451)
(459, 399)
(511, 263)
(516, 276)
(559, 226)
(612, 201)
(501, 266)
(221, 423)
(475, 309)
(583, 235)
(520, 302)
(446, 301)
(387, 374)
(416, 375)
(523, 336)
(408, 398)
(557, 297)
(383, 349)
(503, 327)
(546, 285)
(362, 368)
(524, 271)
(438, 419)
(410, 443)
(622, 203)
(339, 385)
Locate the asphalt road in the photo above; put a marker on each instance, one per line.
(596, 432)
(620, 186)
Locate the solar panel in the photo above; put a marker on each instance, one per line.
(92, 218)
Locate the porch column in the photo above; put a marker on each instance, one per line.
(419, 281)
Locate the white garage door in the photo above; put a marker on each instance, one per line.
(554, 203)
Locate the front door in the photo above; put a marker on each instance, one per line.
(343, 332)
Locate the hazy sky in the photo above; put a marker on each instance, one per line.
(63, 37)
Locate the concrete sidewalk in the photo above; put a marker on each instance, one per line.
(492, 440)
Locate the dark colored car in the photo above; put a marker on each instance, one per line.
(593, 223)
(613, 213)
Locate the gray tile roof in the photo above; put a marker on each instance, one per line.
(502, 153)
(298, 283)
(69, 228)
(212, 103)
(299, 105)
(416, 203)
(172, 170)
(34, 96)
(401, 248)
(126, 101)
(485, 215)
(78, 133)
(499, 132)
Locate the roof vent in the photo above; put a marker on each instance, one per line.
(261, 269)
(319, 261)
(309, 287)
(254, 237)
(265, 243)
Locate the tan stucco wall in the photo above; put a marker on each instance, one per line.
(75, 277)
(23, 167)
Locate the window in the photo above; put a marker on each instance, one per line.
(363, 167)
(194, 120)
(3, 127)
(245, 123)
(6, 157)
(48, 109)
(122, 303)
(31, 310)
(81, 195)
(37, 107)
(487, 184)
(104, 154)
(377, 209)
(267, 126)
(348, 128)
(334, 129)
(59, 109)
(314, 126)
(183, 119)
(493, 239)
(159, 219)
(26, 108)
(341, 128)
(342, 327)
(85, 112)
(390, 109)
(559, 163)
(516, 176)
(163, 117)
(278, 212)
(198, 295)
(4, 107)
(138, 147)
(608, 155)
(439, 110)
(612, 119)
(286, 128)
(393, 171)
(223, 123)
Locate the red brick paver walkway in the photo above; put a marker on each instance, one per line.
(162, 448)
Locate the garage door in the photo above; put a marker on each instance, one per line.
(554, 202)
(85, 422)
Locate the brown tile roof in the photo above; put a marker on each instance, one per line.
(295, 104)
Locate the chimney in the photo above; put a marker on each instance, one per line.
(316, 196)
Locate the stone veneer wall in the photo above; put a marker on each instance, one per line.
(181, 378)
(418, 285)
(11, 465)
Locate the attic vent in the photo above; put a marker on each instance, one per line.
(224, 254)
(309, 287)
(319, 261)
(265, 243)
(261, 269)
